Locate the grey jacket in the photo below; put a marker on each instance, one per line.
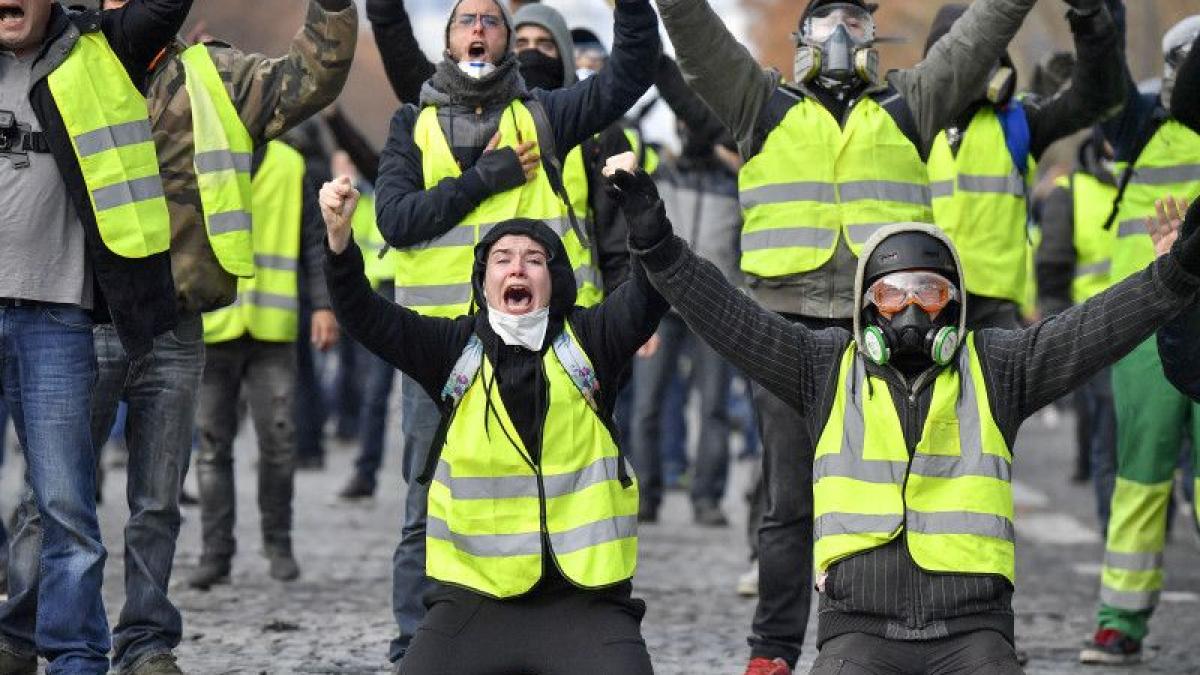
(702, 201)
(727, 77)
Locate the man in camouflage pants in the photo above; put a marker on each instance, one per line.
(270, 96)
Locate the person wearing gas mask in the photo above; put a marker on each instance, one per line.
(481, 147)
(828, 158)
(1156, 140)
(526, 387)
(982, 166)
(916, 418)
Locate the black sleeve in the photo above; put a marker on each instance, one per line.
(585, 108)
(610, 231)
(407, 213)
(312, 247)
(791, 361)
(1185, 99)
(1096, 90)
(685, 103)
(1030, 368)
(424, 348)
(406, 66)
(1054, 262)
(138, 31)
(1180, 351)
(350, 139)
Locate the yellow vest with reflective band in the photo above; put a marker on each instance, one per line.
(953, 504)
(109, 125)
(979, 200)
(1091, 201)
(1169, 165)
(267, 306)
(434, 278)
(490, 504)
(589, 288)
(370, 240)
(647, 156)
(814, 180)
(223, 151)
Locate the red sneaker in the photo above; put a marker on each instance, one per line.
(762, 666)
(1112, 647)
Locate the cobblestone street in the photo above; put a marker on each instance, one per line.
(336, 618)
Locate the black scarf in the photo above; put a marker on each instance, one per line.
(451, 86)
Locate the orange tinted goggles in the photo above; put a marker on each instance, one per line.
(895, 291)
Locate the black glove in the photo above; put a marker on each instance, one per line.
(1085, 7)
(1187, 248)
(643, 209)
(500, 170)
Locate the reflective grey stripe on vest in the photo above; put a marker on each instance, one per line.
(1102, 267)
(509, 487)
(1132, 228)
(1166, 175)
(464, 235)
(783, 193)
(530, 543)
(884, 191)
(587, 274)
(446, 294)
(1133, 561)
(959, 522)
(485, 545)
(859, 234)
(849, 462)
(275, 262)
(109, 138)
(136, 190)
(942, 188)
(230, 221)
(270, 300)
(1012, 184)
(788, 237)
(854, 523)
(1128, 600)
(223, 160)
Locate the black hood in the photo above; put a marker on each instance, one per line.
(562, 276)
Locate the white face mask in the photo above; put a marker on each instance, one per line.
(476, 69)
(526, 330)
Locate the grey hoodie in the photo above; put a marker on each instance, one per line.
(545, 16)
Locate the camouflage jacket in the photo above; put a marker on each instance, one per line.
(271, 96)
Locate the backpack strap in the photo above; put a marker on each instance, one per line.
(1015, 123)
(1149, 129)
(579, 369)
(551, 162)
(461, 376)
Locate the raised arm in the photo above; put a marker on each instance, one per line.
(140, 29)
(685, 103)
(718, 67)
(585, 108)
(274, 95)
(405, 64)
(407, 213)
(1096, 90)
(1185, 99)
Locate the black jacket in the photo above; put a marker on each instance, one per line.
(137, 295)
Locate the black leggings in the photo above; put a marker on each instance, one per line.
(552, 631)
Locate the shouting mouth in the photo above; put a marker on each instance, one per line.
(11, 15)
(518, 299)
(477, 51)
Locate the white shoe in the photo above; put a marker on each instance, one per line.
(747, 584)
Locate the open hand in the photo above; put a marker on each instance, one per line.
(338, 199)
(1164, 225)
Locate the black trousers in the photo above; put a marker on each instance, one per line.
(554, 630)
(983, 652)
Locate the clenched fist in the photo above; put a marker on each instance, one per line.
(338, 200)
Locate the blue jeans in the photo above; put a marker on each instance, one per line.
(160, 415)
(418, 424)
(47, 371)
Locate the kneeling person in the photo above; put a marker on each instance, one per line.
(532, 530)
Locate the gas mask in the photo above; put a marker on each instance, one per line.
(834, 44)
(911, 336)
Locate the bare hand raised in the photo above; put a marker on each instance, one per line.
(1164, 226)
(338, 199)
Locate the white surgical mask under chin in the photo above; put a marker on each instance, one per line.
(476, 69)
(525, 330)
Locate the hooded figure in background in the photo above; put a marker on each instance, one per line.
(525, 388)
(915, 420)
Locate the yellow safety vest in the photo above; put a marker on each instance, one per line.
(371, 241)
(814, 180)
(953, 501)
(223, 152)
(434, 278)
(589, 287)
(109, 125)
(979, 200)
(1091, 201)
(491, 503)
(267, 306)
(647, 156)
(1168, 165)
